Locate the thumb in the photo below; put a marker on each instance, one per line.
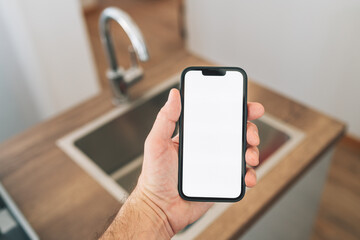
(166, 119)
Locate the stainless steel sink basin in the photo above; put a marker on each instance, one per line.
(110, 148)
(117, 146)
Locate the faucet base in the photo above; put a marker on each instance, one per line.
(118, 101)
(120, 80)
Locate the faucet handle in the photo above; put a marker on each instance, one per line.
(135, 72)
(133, 58)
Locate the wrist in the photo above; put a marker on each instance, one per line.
(139, 218)
(158, 220)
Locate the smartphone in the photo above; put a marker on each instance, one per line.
(212, 134)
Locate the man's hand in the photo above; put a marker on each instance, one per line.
(156, 196)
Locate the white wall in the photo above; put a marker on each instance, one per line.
(308, 50)
(48, 39)
(18, 110)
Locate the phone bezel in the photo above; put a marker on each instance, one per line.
(180, 172)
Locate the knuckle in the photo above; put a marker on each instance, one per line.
(161, 113)
(252, 126)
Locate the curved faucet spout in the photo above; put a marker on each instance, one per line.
(121, 79)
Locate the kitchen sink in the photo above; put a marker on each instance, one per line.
(110, 148)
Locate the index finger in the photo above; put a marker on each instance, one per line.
(255, 110)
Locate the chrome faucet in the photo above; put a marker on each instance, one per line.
(119, 78)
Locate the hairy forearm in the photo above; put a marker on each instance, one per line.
(139, 218)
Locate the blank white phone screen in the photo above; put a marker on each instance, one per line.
(212, 135)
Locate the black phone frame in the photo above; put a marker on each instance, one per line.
(181, 121)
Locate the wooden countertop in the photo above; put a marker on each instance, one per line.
(60, 199)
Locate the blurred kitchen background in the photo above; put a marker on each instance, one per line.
(52, 62)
